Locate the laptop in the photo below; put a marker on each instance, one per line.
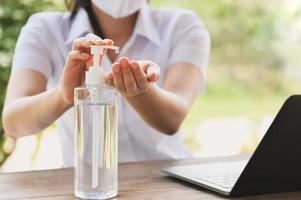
(274, 167)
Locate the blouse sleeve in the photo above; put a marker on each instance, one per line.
(191, 43)
(33, 48)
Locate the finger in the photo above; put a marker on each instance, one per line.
(89, 62)
(77, 55)
(144, 65)
(140, 76)
(110, 79)
(109, 43)
(97, 40)
(103, 42)
(153, 71)
(118, 80)
(81, 43)
(128, 77)
(153, 77)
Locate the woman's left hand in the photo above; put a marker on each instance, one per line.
(133, 78)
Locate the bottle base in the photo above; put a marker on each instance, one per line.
(96, 195)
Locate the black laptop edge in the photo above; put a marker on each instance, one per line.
(272, 168)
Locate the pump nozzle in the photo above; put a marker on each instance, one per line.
(95, 75)
(98, 51)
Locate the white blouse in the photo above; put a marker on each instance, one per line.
(162, 36)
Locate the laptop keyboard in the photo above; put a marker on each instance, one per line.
(221, 174)
(226, 180)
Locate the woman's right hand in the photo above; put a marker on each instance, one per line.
(77, 62)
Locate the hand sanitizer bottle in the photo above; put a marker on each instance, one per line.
(96, 115)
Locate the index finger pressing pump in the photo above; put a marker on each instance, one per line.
(96, 131)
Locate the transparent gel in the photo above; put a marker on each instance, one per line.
(96, 132)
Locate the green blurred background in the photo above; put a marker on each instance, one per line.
(254, 67)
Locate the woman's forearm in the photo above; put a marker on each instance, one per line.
(29, 115)
(161, 109)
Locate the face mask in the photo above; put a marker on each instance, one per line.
(119, 8)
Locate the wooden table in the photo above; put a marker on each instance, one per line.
(141, 180)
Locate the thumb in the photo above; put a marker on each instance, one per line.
(153, 72)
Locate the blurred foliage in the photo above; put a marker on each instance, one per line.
(245, 38)
(13, 15)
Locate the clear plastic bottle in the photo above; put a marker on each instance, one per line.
(96, 132)
(96, 115)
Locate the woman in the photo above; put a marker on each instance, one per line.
(52, 54)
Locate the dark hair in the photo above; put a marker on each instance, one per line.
(74, 5)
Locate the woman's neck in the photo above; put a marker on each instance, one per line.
(119, 30)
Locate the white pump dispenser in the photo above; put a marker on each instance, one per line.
(95, 75)
(96, 130)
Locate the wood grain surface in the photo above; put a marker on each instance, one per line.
(140, 180)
